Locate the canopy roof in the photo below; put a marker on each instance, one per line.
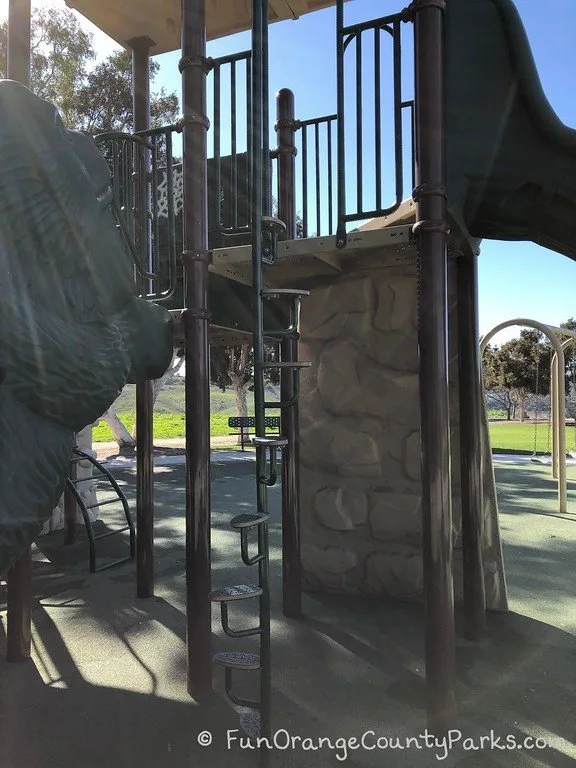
(159, 20)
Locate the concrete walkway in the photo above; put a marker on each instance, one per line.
(106, 685)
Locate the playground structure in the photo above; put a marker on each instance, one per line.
(557, 390)
(488, 191)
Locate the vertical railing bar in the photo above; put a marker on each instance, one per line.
(117, 178)
(330, 191)
(217, 97)
(249, 137)
(267, 168)
(317, 152)
(171, 213)
(399, 173)
(377, 118)
(305, 181)
(413, 127)
(359, 124)
(341, 161)
(233, 145)
(155, 247)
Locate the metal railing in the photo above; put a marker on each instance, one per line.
(315, 174)
(144, 203)
(229, 174)
(366, 40)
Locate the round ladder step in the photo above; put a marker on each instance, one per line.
(270, 442)
(247, 520)
(237, 660)
(272, 293)
(238, 592)
(251, 723)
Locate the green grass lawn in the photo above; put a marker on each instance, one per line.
(168, 425)
(519, 438)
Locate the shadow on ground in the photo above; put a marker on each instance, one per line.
(107, 682)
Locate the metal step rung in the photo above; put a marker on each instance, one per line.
(75, 459)
(251, 723)
(247, 520)
(103, 503)
(113, 564)
(272, 293)
(270, 442)
(239, 592)
(286, 365)
(237, 660)
(111, 533)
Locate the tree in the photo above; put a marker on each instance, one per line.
(61, 51)
(92, 98)
(233, 367)
(104, 101)
(518, 368)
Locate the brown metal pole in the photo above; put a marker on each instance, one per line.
(19, 576)
(144, 404)
(470, 388)
(19, 17)
(431, 231)
(194, 68)
(291, 560)
(291, 563)
(70, 507)
(286, 152)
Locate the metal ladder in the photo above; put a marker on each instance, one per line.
(72, 485)
(256, 721)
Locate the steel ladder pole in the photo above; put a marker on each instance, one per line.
(144, 400)
(259, 31)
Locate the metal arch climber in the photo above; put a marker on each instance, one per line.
(558, 402)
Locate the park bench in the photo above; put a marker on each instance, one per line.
(247, 423)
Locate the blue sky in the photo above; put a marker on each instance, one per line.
(516, 279)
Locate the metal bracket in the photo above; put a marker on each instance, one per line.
(294, 125)
(426, 190)
(430, 225)
(192, 118)
(409, 13)
(196, 314)
(191, 256)
(271, 229)
(206, 64)
(283, 150)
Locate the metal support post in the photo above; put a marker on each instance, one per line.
(194, 68)
(19, 577)
(144, 404)
(286, 153)
(470, 412)
(431, 231)
(70, 507)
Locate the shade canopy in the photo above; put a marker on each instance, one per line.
(159, 20)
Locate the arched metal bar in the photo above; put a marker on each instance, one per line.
(551, 332)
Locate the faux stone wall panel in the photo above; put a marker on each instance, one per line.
(360, 441)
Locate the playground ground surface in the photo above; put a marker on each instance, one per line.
(106, 684)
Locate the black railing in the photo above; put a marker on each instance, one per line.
(144, 202)
(316, 142)
(230, 214)
(366, 39)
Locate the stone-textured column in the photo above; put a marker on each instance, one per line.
(360, 440)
